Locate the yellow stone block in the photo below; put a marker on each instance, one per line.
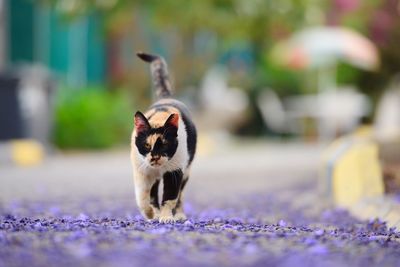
(329, 160)
(393, 218)
(365, 131)
(367, 213)
(351, 170)
(27, 152)
(357, 174)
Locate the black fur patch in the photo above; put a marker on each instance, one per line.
(140, 142)
(191, 137)
(147, 57)
(154, 195)
(158, 147)
(189, 126)
(165, 146)
(179, 203)
(172, 185)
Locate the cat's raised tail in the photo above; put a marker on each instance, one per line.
(159, 73)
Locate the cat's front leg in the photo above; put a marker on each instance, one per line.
(172, 185)
(154, 199)
(143, 186)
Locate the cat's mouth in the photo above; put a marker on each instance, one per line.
(155, 163)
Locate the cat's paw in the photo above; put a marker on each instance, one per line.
(147, 213)
(156, 214)
(166, 219)
(180, 216)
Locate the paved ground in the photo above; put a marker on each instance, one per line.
(249, 205)
(237, 168)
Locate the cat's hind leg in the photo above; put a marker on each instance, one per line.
(179, 213)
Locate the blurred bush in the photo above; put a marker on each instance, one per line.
(92, 118)
(284, 81)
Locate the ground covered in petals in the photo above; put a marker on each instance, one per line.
(257, 230)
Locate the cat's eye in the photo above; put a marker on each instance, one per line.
(147, 146)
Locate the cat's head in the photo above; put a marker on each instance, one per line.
(156, 145)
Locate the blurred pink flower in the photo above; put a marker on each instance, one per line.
(381, 26)
(346, 5)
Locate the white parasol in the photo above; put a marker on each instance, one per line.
(323, 46)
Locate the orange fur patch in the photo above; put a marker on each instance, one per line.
(152, 139)
(158, 118)
(174, 120)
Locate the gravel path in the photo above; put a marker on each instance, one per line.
(259, 230)
(260, 209)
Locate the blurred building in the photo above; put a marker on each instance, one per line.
(73, 48)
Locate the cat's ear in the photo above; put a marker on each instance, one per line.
(172, 121)
(141, 123)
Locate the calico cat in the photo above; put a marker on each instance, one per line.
(163, 146)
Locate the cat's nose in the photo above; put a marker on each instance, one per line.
(155, 158)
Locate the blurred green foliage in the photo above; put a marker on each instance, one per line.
(347, 74)
(172, 27)
(92, 118)
(284, 81)
(193, 35)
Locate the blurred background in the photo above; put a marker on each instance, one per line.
(270, 84)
